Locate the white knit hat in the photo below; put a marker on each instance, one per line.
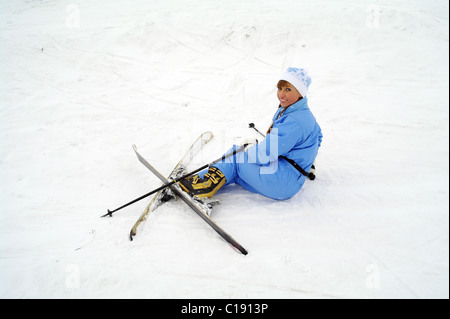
(299, 78)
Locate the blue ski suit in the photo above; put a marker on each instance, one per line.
(296, 135)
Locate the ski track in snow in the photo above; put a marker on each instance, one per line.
(81, 82)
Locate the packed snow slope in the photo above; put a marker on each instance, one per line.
(81, 81)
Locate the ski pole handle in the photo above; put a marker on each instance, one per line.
(252, 125)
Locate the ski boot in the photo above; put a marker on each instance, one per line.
(206, 187)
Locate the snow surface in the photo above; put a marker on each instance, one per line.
(81, 81)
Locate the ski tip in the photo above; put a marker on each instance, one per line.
(207, 136)
(131, 235)
(239, 248)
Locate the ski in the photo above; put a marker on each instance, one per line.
(197, 206)
(158, 198)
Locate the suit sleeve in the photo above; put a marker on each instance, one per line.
(282, 138)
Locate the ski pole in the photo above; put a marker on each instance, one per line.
(252, 125)
(110, 212)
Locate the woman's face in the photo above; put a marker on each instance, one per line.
(287, 95)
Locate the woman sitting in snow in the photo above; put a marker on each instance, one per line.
(277, 166)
